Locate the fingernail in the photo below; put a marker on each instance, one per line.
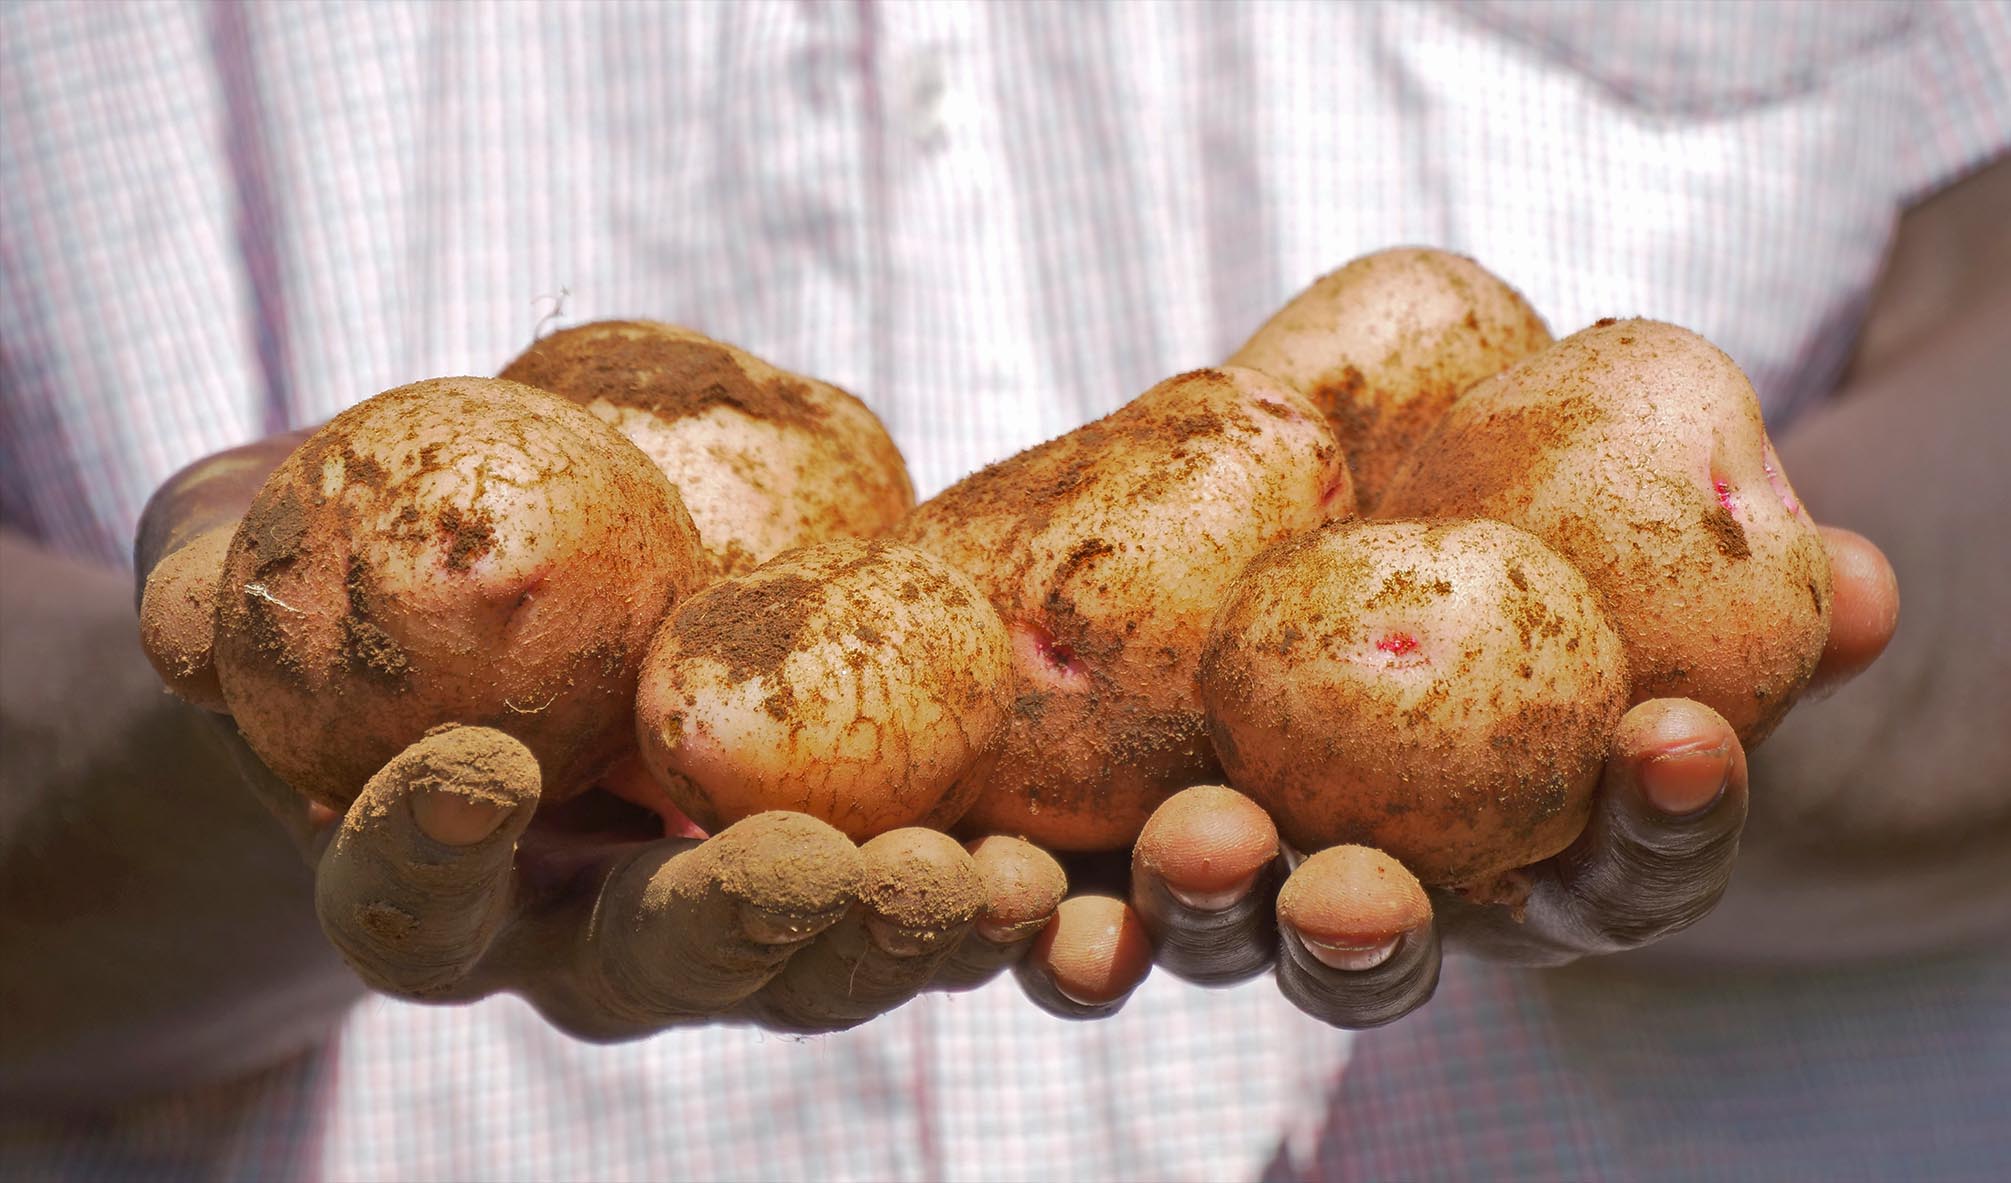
(455, 819)
(1349, 957)
(899, 941)
(1686, 782)
(770, 928)
(1078, 997)
(1217, 900)
(1006, 934)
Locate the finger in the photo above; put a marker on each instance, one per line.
(310, 824)
(417, 879)
(1864, 607)
(632, 782)
(1023, 885)
(1203, 875)
(919, 893)
(1356, 943)
(210, 492)
(1088, 959)
(178, 618)
(1655, 856)
(178, 635)
(680, 930)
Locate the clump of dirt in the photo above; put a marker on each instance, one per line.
(469, 534)
(1727, 533)
(273, 530)
(631, 363)
(750, 626)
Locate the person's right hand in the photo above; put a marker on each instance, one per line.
(445, 881)
(1357, 944)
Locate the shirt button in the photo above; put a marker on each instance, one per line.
(919, 86)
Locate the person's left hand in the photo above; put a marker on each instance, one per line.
(448, 879)
(1222, 900)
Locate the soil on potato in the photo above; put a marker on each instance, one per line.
(635, 364)
(1142, 735)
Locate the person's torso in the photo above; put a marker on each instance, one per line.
(992, 222)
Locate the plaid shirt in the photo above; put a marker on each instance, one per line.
(1870, 1074)
(993, 222)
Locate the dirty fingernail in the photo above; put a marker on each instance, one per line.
(1685, 782)
(764, 927)
(899, 940)
(455, 819)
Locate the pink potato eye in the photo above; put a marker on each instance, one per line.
(525, 605)
(1057, 660)
(1393, 650)
(1723, 488)
(1058, 656)
(1398, 644)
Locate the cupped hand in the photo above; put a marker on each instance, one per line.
(1355, 941)
(445, 881)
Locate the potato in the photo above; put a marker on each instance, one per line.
(1107, 552)
(1385, 344)
(766, 460)
(1636, 450)
(1442, 691)
(460, 550)
(861, 683)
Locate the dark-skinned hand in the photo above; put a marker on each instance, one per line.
(445, 881)
(1220, 899)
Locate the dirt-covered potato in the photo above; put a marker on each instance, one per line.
(1107, 552)
(1442, 691)
(1385, 344)
(460, 550)
(1636, 450)
(861, 683)
(766, 460)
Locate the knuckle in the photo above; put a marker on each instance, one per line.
(390, 948)
(1216, 948)
(1039, 988)
(1361, 999)
(407, 927)
(1639, 875)
(667, 943)
(975, 962)
(1646, 889)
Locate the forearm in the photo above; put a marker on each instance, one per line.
(1914, 458)
(158, 926)
(1880, 821)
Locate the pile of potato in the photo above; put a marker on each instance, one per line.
(1395, 571)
